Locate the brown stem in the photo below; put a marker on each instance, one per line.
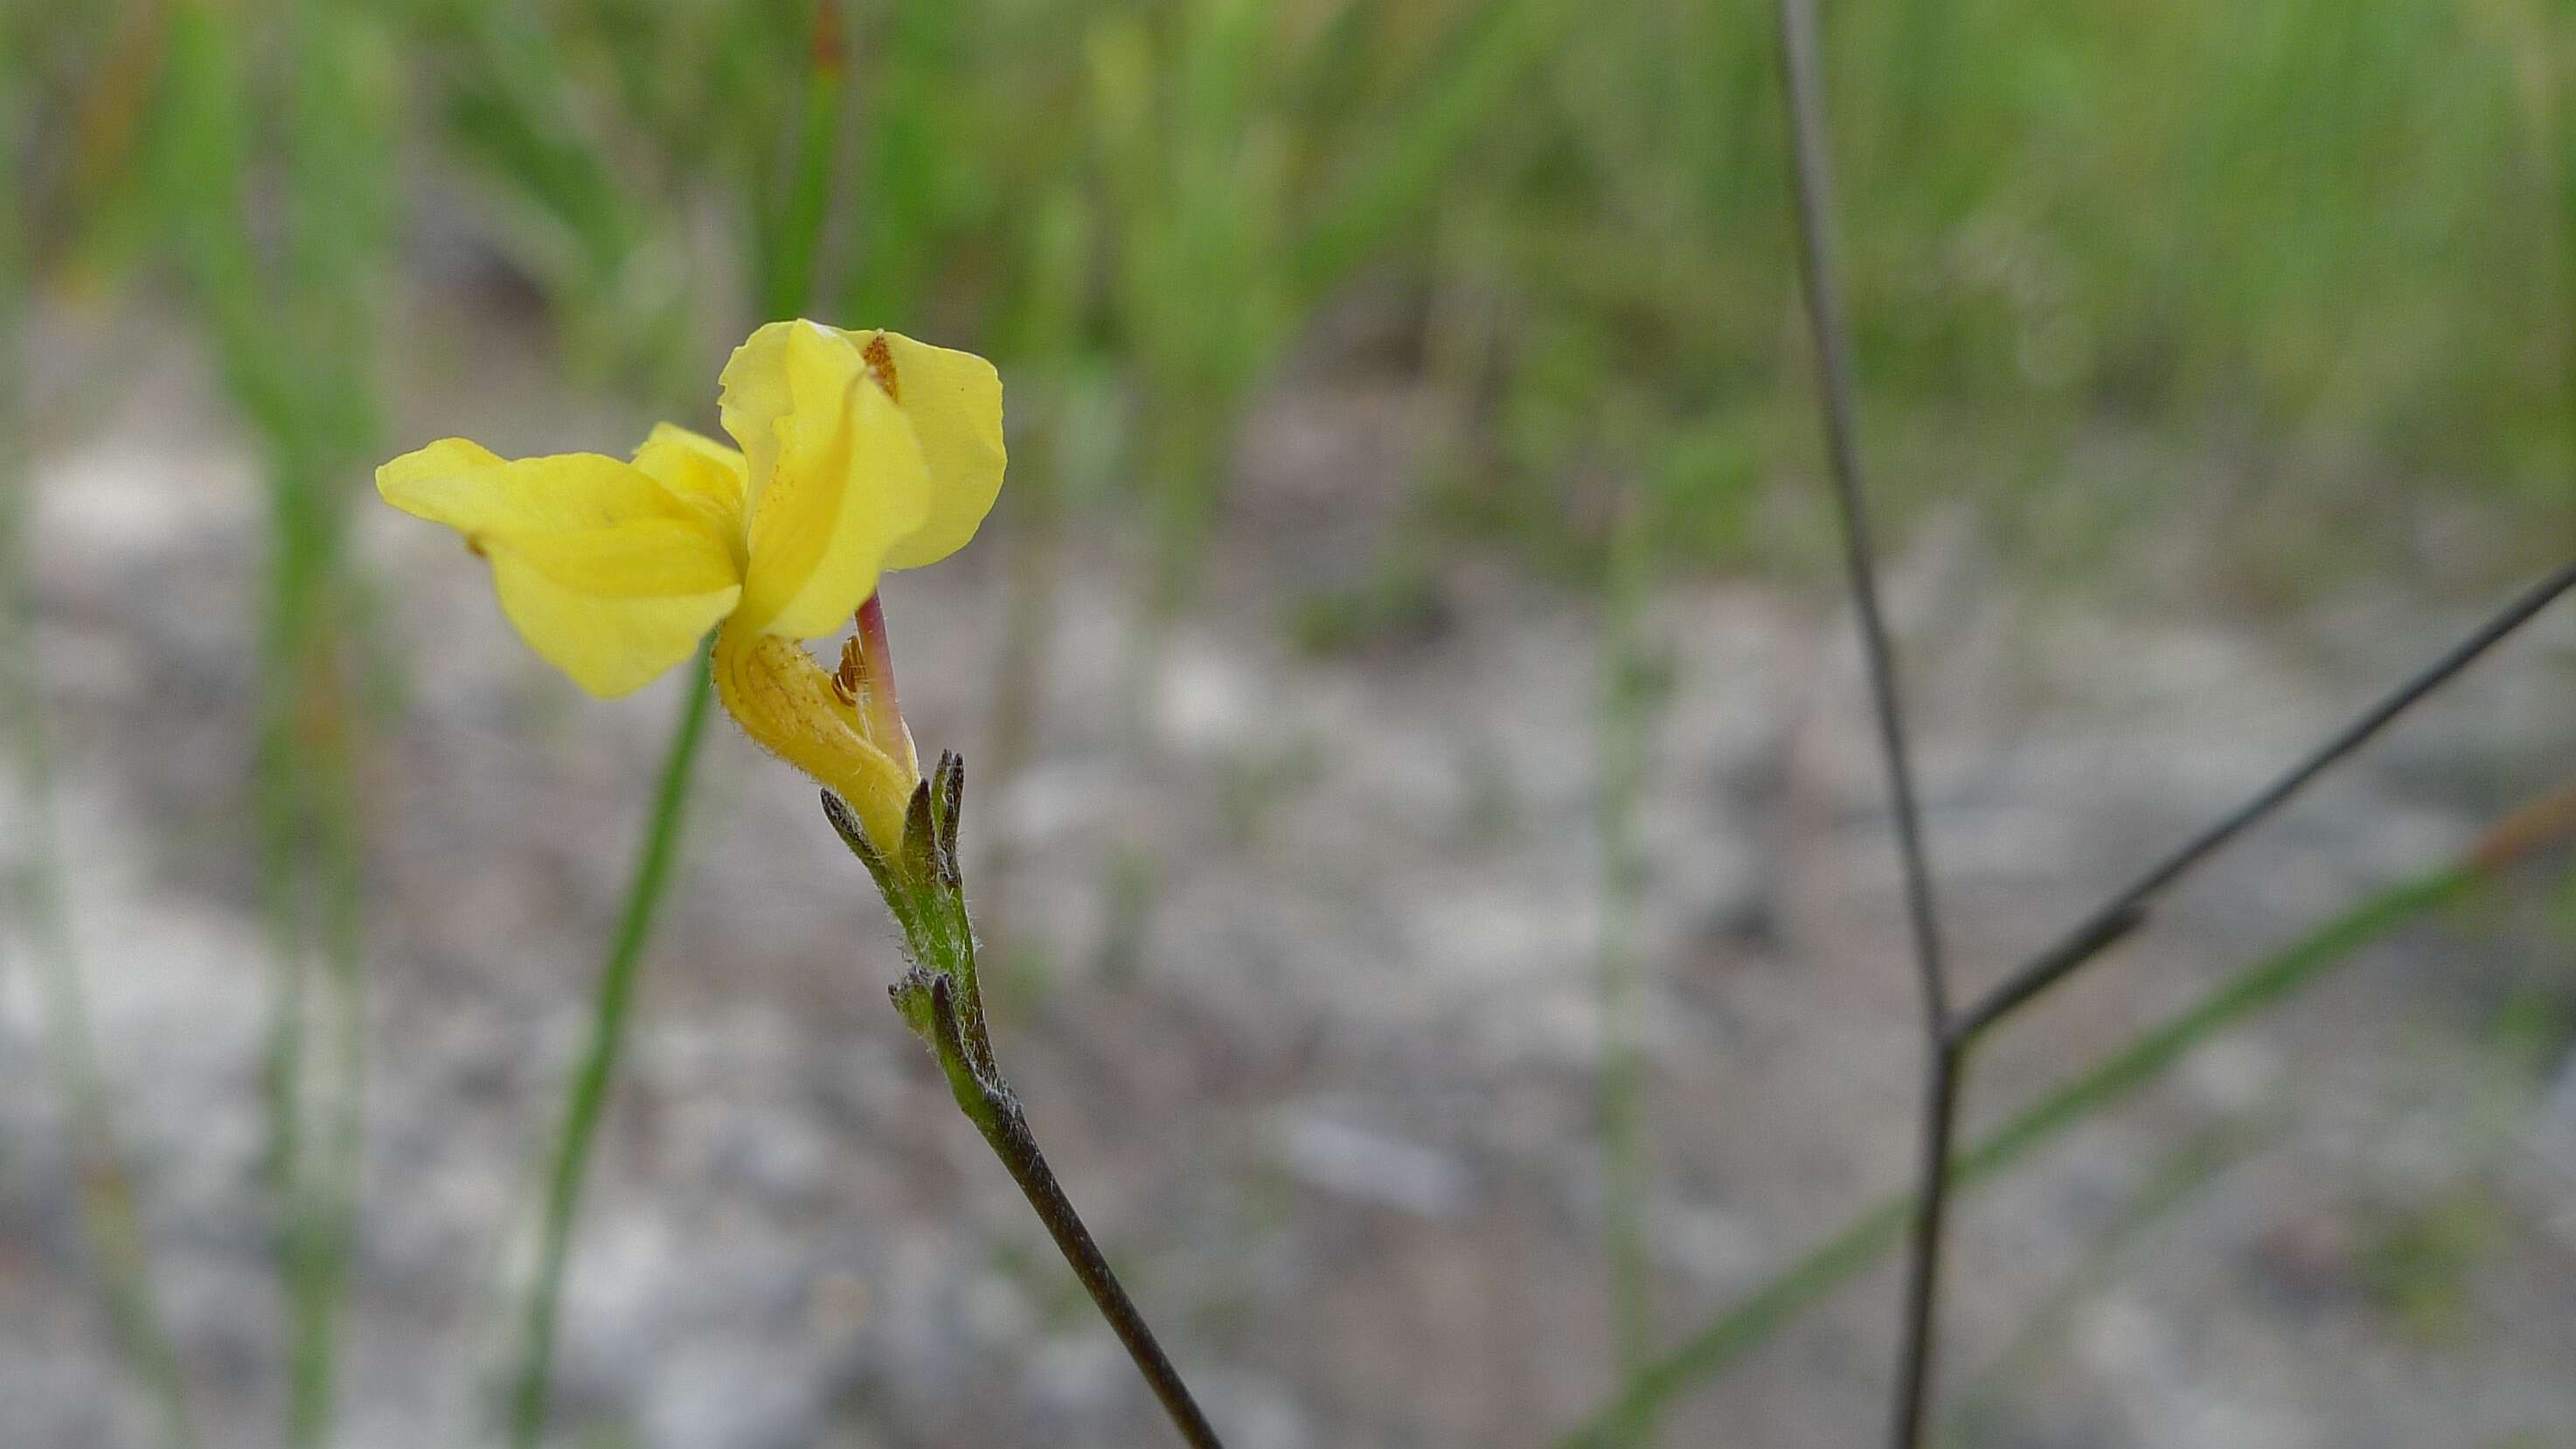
(996, 1112)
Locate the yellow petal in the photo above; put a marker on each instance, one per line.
(419, 480)
(786, 703)
(475, 491)
(701, 472)
(675, 588)
(753, 396)
(954, 401)
(606, 573)
(847, 484)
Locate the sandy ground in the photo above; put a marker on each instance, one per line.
(1301, 996)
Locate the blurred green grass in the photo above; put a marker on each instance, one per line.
(2312, 262)
(2321, 248)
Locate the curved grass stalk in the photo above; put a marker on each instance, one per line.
(1063, 242)
(320, 1180)
(314, 418)
(1791, 1292)
(2177, 1181)
(111, 1221)
(589, 1089)
(782, 274)
(1626, 711)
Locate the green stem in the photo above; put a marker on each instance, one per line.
(1624, 720)
(589, 1089)
(324, 1195)
(309, 807)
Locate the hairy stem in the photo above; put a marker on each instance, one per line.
(939, 999)
(989, 1103)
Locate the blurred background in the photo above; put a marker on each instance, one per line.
(1422, 808)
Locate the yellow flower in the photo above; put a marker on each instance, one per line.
(860, 452)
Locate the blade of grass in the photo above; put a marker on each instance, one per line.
(1062, 245)
(1625, 718)
(783, 263)
(337, 158)
(323, 1229)
(587, 215)
(1406, 157)
(111, 1222)
(589, 1089)
(2176, 1181)
(787, 252)
(1794, 1290)
(907, 157)
(511, 111)
(292, 346)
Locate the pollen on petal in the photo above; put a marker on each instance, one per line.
(880, 360)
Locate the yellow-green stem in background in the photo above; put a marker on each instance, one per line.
(111, 1219)
(589, 1089)
(1626, 715)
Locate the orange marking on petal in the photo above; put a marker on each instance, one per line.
(880, 360)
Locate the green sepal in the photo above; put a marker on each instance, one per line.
(924, 887)
(920, 845)
(900, 898)
(947, 804)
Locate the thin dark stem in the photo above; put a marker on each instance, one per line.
(1028, 1167)
(996, 1112)
(1923, 1247)
(1805, 98)
(2125, 911)
(1833, 377)
(1759, 1315)
(940, 1000)
(1835, 382)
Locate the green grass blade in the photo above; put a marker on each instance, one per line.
(2177, 1181)
(1627, 710)
(111, 1221)
(291, 340)
(1499, 45)
(588, 1091)
(786, 286)
(911, 152)
(512, 111)
(1801, 1286)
